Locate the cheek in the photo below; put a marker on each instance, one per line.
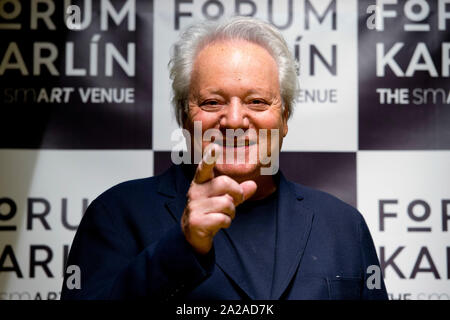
(208, 119)
(267, 121)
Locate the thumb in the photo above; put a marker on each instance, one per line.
(249, 188)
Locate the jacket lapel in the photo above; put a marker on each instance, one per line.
(229, 262)
(174, 185)
(294, 223)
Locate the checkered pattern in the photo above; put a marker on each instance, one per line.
(355, 148)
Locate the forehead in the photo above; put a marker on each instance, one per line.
(235, 60)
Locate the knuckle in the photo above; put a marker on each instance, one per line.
(225, 201)
(192, 221)
(216, 182)
(225, 221)
(225, 181)
(190, 207)
(192, 193)
(232, 207)
(228, 203)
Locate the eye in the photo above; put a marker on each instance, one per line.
(210, 105)
(258, 104)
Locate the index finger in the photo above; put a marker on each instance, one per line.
(205, 168)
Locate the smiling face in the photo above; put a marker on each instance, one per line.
(234, 85)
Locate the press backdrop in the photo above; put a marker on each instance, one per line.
(84, 105)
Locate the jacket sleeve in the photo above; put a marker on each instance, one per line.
(163, 271)
(373, 283)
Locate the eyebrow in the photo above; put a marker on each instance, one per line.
(220, 92)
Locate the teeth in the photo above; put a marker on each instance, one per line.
(234, 143)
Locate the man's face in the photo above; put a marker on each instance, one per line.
(234, 85)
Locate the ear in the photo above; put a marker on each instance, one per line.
(285, 116)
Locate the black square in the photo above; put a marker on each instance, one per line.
(74, 124)
(332, 172)
(416, 123)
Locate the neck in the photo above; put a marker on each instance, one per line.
(266, 186)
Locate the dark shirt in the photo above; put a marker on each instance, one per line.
(253, 237)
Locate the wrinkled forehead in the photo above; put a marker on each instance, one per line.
(235, 60)
(234, 49)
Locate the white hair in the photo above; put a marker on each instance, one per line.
(199, 35)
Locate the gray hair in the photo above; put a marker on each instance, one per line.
(199, 35)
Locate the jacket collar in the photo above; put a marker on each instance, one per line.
(294, 222)
(294, 226)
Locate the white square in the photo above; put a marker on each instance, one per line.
(389, 182)
(325, 126)
(53, 176)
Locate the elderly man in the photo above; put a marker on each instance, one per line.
(225, 229)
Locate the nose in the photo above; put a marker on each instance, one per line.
(234, 116)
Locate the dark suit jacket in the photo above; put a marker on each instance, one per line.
(130, 245)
